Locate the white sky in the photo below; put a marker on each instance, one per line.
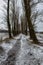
(39, 8)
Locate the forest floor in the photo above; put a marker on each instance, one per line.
(20, 51)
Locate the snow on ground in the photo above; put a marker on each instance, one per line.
(6, 46)
(40, 37)
(29, 54)
(21, 52)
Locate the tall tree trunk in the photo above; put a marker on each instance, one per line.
(17, 25)
(26, 28)
(28, 14)
(13, 18)
(8, 22)
(14, 31)
(22, 27)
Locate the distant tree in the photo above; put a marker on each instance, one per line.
(28, 14)
(23, 24)
(26, 28)
(17, 15)
(33, 19)
(13, 17)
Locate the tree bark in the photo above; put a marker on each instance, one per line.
(8, 22)
(13, 18)
(28, 14)
(26, 28)
(17, 26)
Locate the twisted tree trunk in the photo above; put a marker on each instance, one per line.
(28, 14)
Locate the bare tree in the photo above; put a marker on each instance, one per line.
(26, 28)
(13, 17)
(28, 14)
(17, 15)
(23, 24)
(8, 21)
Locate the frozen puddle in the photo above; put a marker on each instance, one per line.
(27, 53)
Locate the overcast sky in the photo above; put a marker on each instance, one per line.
(39, 8)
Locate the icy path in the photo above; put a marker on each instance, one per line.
(22, 52)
